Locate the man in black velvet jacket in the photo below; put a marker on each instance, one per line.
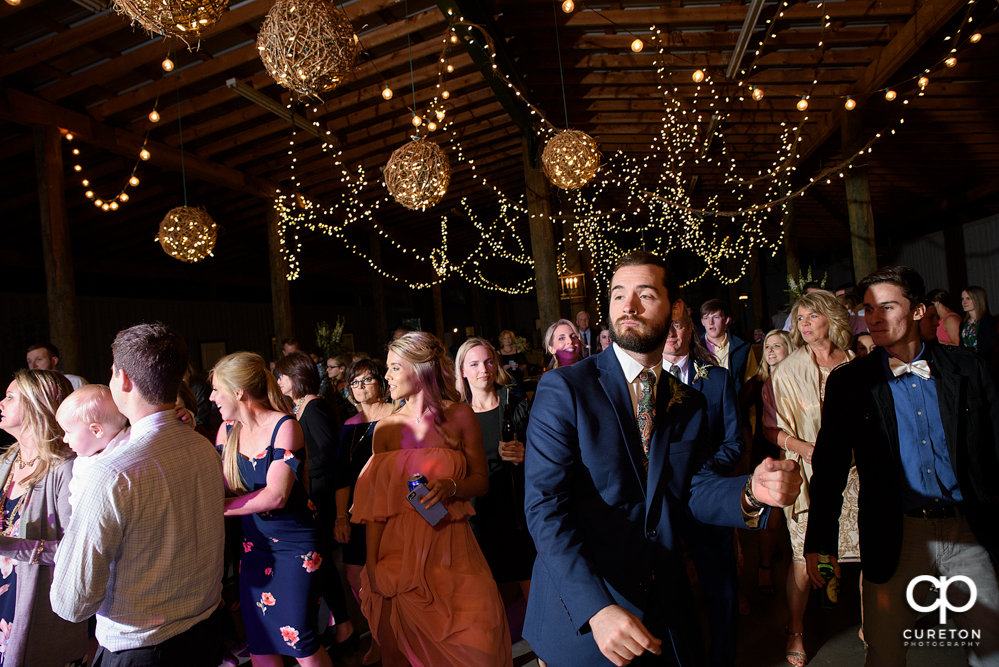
(922, 422)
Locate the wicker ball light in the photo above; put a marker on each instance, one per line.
(173, 18)
(417, 174)
(187, 234)
(570, 159)
(307, 46)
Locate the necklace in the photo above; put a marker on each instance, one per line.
(355, 441)
(21, 465)
(422, 415)
(7, 522)
(298, 405)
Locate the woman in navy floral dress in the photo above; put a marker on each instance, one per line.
(279, 585)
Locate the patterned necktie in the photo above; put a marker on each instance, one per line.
(646, 411)
(674, 370)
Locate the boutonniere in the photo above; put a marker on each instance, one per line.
(701, 371)
(677, 392)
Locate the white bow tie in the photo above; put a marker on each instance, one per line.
(920, 368)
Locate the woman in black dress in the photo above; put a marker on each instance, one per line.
(499, 523)
(298, 378)
(367, 391)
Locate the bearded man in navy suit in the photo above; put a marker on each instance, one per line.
(617, 455)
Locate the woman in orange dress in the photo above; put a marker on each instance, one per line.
(426, 590)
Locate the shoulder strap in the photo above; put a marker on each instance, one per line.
(278, 428)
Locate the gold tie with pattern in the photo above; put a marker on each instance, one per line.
(646, 411)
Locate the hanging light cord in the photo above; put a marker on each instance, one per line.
(409, 43)
(558, 50)
(180, 128)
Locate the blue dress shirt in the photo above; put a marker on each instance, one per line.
(928, 478)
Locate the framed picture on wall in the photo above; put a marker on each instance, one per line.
(211, 351)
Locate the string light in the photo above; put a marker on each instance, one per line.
(950, 62)
(923, 82)
(154, 116)
(167, 65)
(417, 121)
(637, 45)
(890, 95)
(851, 103)
(802, 104)
(133, 181)
(144, 154)
(567, 6)
(387, 93)
(697, 76)
(757, 93)
(974, 39)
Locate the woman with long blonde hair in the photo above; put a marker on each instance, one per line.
(35, 473)
(427, 589)
(562, 343)
(499, 523)
(263, 453)
(823, 336)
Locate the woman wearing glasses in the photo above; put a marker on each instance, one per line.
(366, 384)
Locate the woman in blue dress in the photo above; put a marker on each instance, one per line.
(279, 584)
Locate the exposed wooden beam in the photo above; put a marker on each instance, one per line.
(94, 29)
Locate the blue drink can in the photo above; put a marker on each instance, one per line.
(416, 480)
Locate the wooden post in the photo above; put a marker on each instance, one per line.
(790, 234)
(378, 294)
(858, 201)
(759, 294)
(542, 238)
(280, 295)
(64, 312)
(438, 310)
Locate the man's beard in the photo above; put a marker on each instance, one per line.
(641, 340)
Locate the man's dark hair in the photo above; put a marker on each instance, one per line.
(903, 276)
(643, 257)
(48, 347)
(155, 358)
(846, 287)
(302, 371)
(811, 285)
(290, 341)
(713, 306)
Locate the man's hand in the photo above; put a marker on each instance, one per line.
(812, 562)
(776, 483)
(620, 636)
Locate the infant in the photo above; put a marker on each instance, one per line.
(93, 427)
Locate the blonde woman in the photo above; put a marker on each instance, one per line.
(978, 331)
(427, 590)
(562, 343)
(263, 459)
(758, 394)
(499, 523)
(35, 473)
(823, 337)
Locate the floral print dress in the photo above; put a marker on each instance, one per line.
(279, 585)
(8, 584)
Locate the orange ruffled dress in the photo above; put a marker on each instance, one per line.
(446, 609)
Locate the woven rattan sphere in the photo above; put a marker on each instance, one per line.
(187, 234)
(176, 18)
(307, 45)
(570, 159)
(417, 174)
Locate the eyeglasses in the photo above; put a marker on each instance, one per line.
(363, 381)
(333, 367)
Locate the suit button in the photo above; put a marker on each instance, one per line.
(652, 533)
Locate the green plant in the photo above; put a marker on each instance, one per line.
(328, 338)
(796, 286)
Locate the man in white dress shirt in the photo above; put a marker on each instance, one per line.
(145, 548)
(586, 335)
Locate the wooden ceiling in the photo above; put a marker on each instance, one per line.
(91, 73)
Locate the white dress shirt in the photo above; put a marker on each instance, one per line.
(684, 365)
(144, 550)
(632, 369)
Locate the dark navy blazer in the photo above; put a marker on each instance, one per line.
(603, 533)
(724, 419)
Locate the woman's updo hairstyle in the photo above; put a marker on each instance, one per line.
(434, 369)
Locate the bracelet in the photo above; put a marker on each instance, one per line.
(342, 516)
(38, 552)
(753, 500)
(455, 488)
(787, 437)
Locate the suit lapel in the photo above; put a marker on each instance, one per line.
(886, 405)
(659, 447)
(614, 385)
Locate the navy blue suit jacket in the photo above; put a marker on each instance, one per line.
(602, 532)
(738, 359)
(724, 419)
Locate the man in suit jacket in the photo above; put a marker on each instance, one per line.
(711, 548)
(587, 336)
(616, 454)
(922, 421)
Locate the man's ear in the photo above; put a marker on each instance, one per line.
(727, 320)
(55, 362)
(919, 312)
(126, 382)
